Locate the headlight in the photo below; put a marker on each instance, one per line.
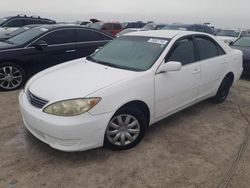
(71, 107)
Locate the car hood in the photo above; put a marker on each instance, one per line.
(75, 79)
(245, 50)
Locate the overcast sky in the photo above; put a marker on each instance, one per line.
(222, 13)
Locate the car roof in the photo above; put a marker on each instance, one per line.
(162, 33)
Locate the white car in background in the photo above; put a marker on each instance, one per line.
(230, 35)
(112, 96)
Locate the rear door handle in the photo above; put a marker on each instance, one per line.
(70, 51)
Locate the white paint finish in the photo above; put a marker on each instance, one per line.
(164, 93)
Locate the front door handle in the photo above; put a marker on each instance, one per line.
(70, 51)
(196, 71)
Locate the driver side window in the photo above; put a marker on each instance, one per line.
(182, 51)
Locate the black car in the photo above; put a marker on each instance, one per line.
(138, 24)
(243, 44)
(22, 20)
(42, 47)
(190, 27)
(5, 36)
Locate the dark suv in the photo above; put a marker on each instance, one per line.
(190, 27)
(22, 20)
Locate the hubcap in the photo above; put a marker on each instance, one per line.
(10, 77)
(123, 130)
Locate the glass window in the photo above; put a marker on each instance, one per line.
(130, 52)
(15, 23)
(88, 35)
(27, 36)
(207, 48)
(60, 37)
(117, 26)
(229, 33)
(183, 52)
(31, 21)
(243, 41)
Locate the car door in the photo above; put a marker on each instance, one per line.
(213, 64)
(177, 89)
(61, 48)
(88, 41)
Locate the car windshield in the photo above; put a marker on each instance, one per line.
(18, 31)
(130, 52)
(26, 36)
(243, 41)
(228, 33)
(2, 20)
(149, 27)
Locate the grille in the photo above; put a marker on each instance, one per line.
(36, 101)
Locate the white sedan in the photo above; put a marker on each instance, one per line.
(112, 96)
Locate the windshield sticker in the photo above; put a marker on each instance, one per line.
(44, 29)
(158, 41)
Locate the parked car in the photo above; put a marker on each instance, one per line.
(109, 27)
(11, 23)
(132, 82)
(154, 26)
(230, 35)
(138, 24)
(129, 30)
(10, 34)
(41, 47)
(190, 27)
(243, 44)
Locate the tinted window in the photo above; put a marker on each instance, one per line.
(87, 35)
(60, 37)
(107, 26)
(117, 26)
(15, 23)
(31, 21)
(182, 51)
(207, 48)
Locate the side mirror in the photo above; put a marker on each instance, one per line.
(41, 44)
(170, 66)
(231, 43)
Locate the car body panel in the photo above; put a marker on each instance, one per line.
(164, 93)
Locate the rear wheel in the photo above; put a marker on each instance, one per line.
(11, 77)
(223, 90)
(125, 129)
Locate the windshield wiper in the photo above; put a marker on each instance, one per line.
(90, 58)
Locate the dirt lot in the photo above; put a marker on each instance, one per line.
(203, 146)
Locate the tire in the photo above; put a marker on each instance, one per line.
(223, 90)
(118, 136)
(12, 77)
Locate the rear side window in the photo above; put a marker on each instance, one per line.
(88, 35)
(117, 26)
(60, 37)
(15, 23)
(208, 48)
(107, 26)
(183, 52)
(31, 21)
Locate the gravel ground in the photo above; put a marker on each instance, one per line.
(205, 145)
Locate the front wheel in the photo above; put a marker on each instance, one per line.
(11, 77)
(223, 90)
(125, 129)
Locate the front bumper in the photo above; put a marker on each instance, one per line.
(76, 133)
